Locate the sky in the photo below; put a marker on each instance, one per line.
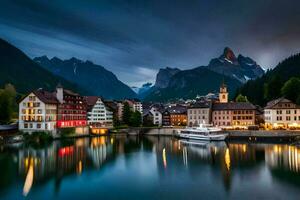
(134, 39)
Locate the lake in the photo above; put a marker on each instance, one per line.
(149, 167)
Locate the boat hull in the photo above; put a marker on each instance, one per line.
(217, 137)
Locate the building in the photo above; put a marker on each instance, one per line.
(71, 109)
(157, 115)
(166, 119)
(134, 105)
(38, 112)
(178, 115)
(98, 114)
(41, 110)
(199, 113)
(233, 114)
(282, 113)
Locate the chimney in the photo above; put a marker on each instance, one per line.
(60, 93)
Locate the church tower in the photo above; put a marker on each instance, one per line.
(223, 95)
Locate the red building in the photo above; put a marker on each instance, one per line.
(71, 109)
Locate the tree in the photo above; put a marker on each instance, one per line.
(135, 119)
(126, 113)
(241, 98)
(291, 89)
(272, 88)
(7, 103)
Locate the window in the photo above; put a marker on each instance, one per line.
(288, 118)
(38, 126)
(25, 125)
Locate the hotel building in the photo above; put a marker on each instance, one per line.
(98, 115)
(45, 111)
(71, 109)
(232, 114)
(37, 112)
(282, 113)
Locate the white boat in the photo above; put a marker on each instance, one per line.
(203, 132)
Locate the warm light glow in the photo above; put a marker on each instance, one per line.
(29, 178)
(79, 167)
(244, 148)
(227, 159)
(164, 158)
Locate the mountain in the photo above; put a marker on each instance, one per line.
(190, 83)
(241, 68)
(140, 90)
(267, 87)
(26, 75)
(94, 78)
(172, 83)
(164, 75)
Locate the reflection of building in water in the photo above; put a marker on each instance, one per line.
(100, 148)
(283, 156)
(42, 161)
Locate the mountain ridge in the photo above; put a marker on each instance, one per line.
(95, 78)
(21, 71)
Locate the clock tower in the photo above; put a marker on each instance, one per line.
(223, 95)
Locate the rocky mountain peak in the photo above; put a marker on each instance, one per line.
(229, 55)
(164, 75)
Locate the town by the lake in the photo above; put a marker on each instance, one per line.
(149, 100)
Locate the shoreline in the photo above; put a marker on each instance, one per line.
(253, 136)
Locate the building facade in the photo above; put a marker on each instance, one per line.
(199, 113)
(98, 114)
(71, 109)
(233, 114)
(38, 112)
(178, 115)
(157, 116)
(282, 113)
(166, 119)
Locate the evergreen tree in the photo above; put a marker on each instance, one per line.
(126, 113)
(135, 119)
(241, 98)
(291, 89)
(7, 103)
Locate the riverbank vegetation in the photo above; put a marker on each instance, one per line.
(8, 105)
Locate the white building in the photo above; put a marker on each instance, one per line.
(133, 104)
(199, 113)
(282, 113)
(37, 112)
(157, 116)
(98, 113)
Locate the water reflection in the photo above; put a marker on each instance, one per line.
(174, 160)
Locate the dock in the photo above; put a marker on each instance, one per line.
(281, 136)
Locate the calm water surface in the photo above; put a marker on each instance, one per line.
(149, 168)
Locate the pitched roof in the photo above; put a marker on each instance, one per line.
(112, 106)
(233, 106)
(90, 101)
(45, 96)
(200, 105)
(274, 102)
(177, 110)
(69, 92)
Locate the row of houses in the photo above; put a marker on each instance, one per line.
(42, 110)
(279, 113)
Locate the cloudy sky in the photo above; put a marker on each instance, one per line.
(134, 39)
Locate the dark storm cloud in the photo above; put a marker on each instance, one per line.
(135, 38)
